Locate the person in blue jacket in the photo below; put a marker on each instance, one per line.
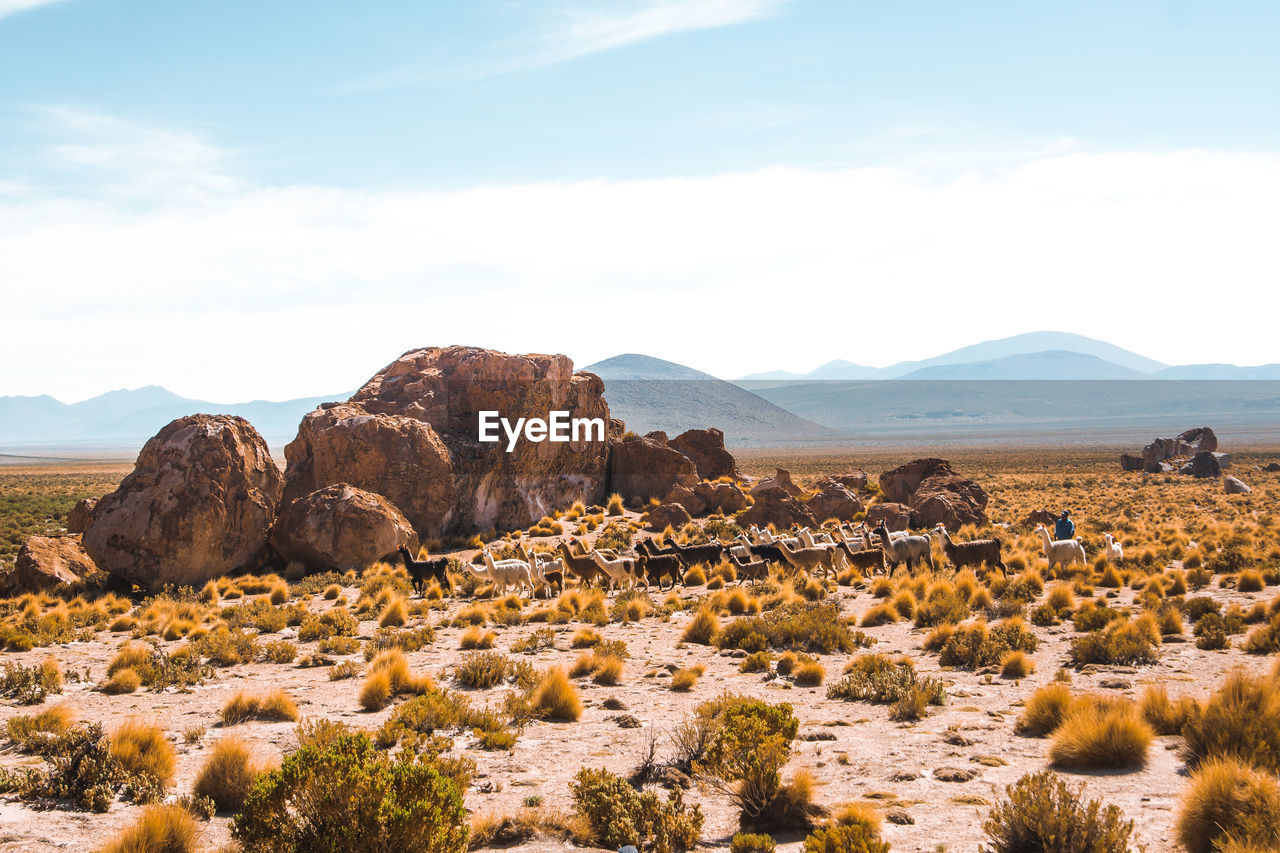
(1064, 527)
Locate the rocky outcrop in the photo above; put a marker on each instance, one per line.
(340, 528)
(81, 515)
(669, 514)
(644, 467)
(706, 448)
(1188, 443)
(778, 507)
(686, 497)
(1271, 467)
(399, 457)
(894, 516)
(1132, 462)
(1203, 465)
(197, 505)
(899, 484)
(835, 501)
(1233, 486)
(426, 456)
(781, 479)
(950, 500)
(854, 481)
(45, 563)
(725, 498)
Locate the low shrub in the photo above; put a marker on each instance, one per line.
(348, 797)
(845, 838)
(1122, 642)
(749, 842)
(1240, 720)
(227, 774)
(879, 679)
(1226, 802)
(146, 756)
(159, 829)
(1040, 812)
(617, 814)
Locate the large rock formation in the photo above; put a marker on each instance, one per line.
(898, 484)
(424, 453)
(669, 514)
(399, 457)
(340, 528)
(894, 516)
(726, 498)
(777, 507)
(45, 563)
(1188, 443)
(197, 505)
(781, 479)
(835, 501)
(951, 500)
(706, 448)
(647, 467)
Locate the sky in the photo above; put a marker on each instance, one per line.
(245, 200)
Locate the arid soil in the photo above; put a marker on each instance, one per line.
(853, 749)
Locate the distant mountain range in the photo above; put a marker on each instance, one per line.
(1034, 355)
(935, 400)
(126, 417)
(651, 394)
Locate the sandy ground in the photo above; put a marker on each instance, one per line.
(860, 755)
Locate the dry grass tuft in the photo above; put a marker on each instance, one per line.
(555, 698)
(227, 774)
(160, 829)
(1101, 736)
(1228, 801)
(143, 750)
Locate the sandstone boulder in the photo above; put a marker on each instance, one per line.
(1233, 486)
(399, 457)
(706, 448)
(778, 507)
(643, 467)
(951, 500)
(1203, 465)
(686, 497)
(835, 501)
(198, 504)
(1188, 443)
(854, 481)
(899, 484)
(1271, 467)
(1131, 462)
(671, 514)
(781, 479)
(436, 470)
(726, 498)
(894, 516)
(1200, 440)
(45, 563)
(340, 528)
(80, 515)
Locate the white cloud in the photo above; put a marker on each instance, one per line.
(11, 7)
(263, 291)
(567, 32)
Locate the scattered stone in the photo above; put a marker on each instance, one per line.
(818, 735)
(45, 563)
(956, 739)
(625, 721)
(1115, 684)
(613, 703)
(1202, 466)
(1233, 486)
(955, 774)
(904, 776)
(899, 817)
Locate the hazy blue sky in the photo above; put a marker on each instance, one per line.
(241, 200)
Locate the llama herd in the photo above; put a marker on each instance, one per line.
(656, 560)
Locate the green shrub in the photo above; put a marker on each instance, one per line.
(746, 753)
(845, 838)
(618, 814)
(880, 679)
(29, 685)
(1042, 813)
(1124, 643)
(748, 842)
(349, 797)
(974, 646)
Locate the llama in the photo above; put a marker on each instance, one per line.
(808, 559)
(655, 567)
(621, 570)
(548, 572)
(972, 553)
(420, 571)
(583, 568)
(868, 558)
(710, 553)
(769, 553)
(1114, 551)
(504, 573)
(749, 569)
(905, 549)
(808, 540)
(1063, 552)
